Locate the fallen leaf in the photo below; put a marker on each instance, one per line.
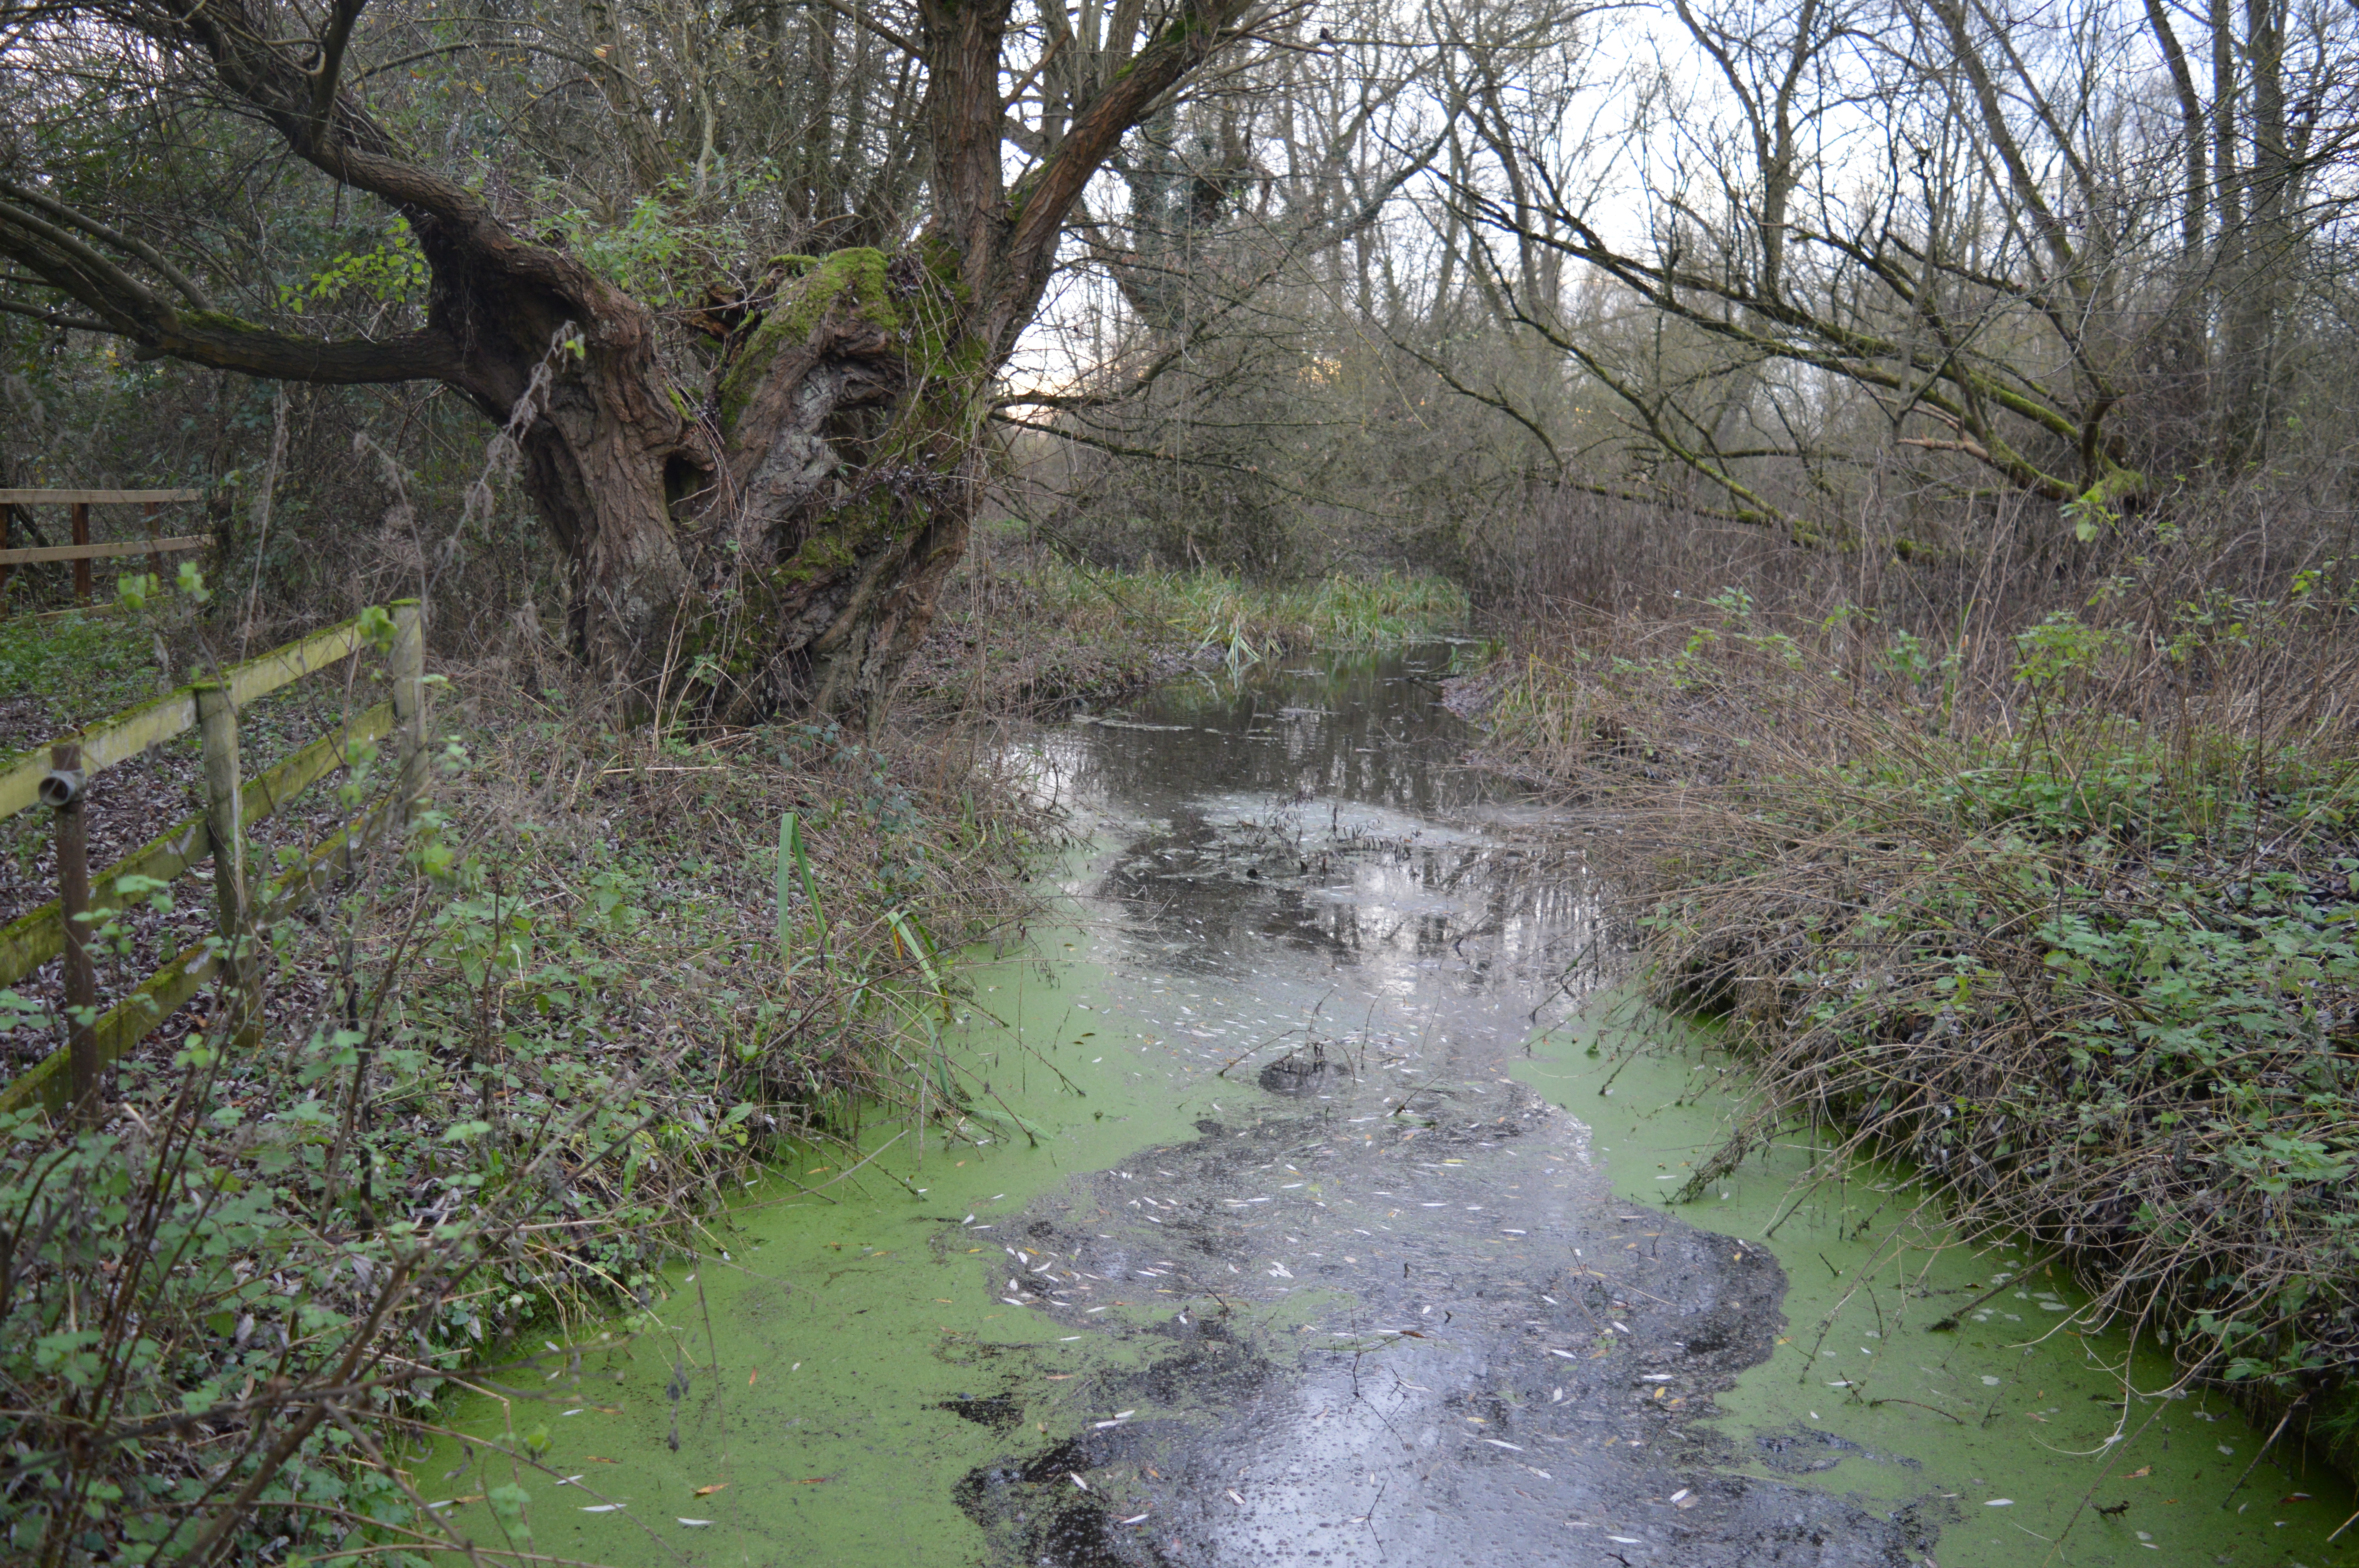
(694, 1524)
(716, 1487)
(2140, 1470)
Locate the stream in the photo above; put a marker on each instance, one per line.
(1318, 1214)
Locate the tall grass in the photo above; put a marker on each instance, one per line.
(1024, 630)
(2064, 914)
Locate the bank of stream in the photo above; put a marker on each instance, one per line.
(1316, 1213)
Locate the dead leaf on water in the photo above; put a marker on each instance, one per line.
(716, 1487)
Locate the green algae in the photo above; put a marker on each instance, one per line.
(2011, 1429)
(847, 1357)
(846, 1353)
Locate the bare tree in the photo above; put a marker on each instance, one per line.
(1933, 228)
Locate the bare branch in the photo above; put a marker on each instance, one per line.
(332, 44)
(53, 317)
(92, 227)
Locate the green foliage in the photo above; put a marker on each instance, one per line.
(87, 665)
(391, 271)
(376, 627)
(791, 855)
(663, 252)
(519, 1058)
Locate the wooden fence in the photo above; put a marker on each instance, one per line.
(81, 552)
(70, 1077)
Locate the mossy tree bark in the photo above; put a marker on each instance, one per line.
(780, 534)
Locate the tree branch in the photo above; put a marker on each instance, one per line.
(92, 227)
(1043, 198)
(871, 24)
(53, 319)
(333, 45)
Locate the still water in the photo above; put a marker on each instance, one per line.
(1317, 1212)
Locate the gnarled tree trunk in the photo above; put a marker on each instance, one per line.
(785, 530)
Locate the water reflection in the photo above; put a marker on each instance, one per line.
(1318, 812)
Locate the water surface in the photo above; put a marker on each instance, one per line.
(1315, 1213)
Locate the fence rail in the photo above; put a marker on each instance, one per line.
(96, 497)
(81, 552)
(69, 1078)
(36, 555)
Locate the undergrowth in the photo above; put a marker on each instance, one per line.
(2064, 915)
(502, 1073)
(1025, 630)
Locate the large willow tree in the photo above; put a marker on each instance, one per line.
(784, 509)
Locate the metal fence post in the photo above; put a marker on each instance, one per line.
(408, 703)
(73, 905)
(217, 714)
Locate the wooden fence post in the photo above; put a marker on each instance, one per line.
(73, 904)
(81, 537)
(240, 972)
(408, 703)
(8, 541)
